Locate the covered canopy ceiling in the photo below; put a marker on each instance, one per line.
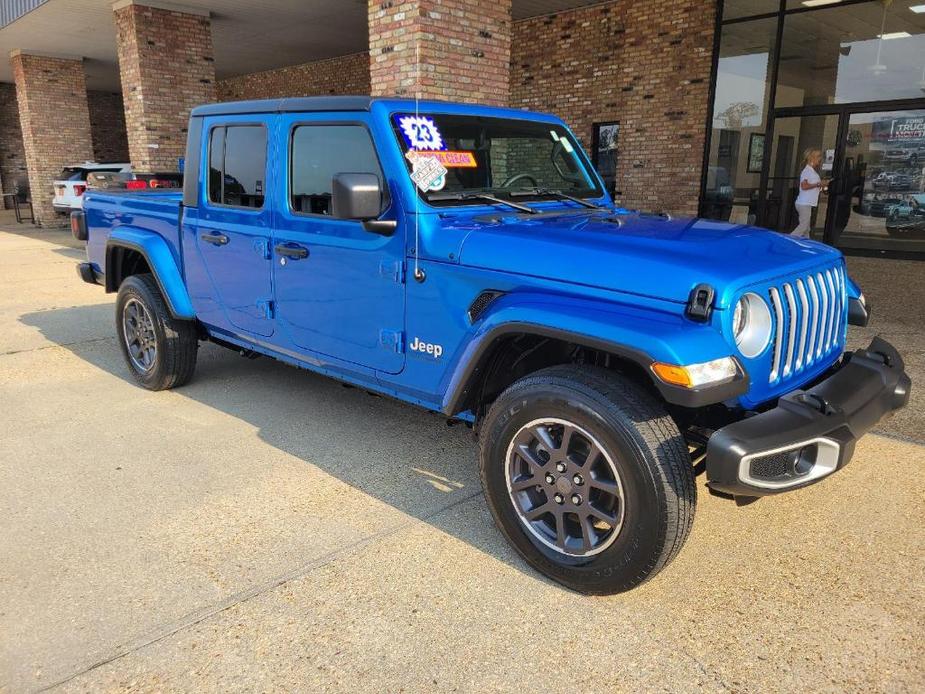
(249, 35)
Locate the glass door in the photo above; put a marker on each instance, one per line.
(793, 136)
(879, 196)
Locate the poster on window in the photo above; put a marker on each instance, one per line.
(898, 129)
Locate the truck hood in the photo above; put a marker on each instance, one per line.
(639, 254)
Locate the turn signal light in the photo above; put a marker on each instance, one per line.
(696, 375)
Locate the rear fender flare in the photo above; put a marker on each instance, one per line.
(640, 335)
(163, 266)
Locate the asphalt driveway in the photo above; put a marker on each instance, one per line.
(268, 529)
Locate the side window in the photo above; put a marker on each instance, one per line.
(237, 165)
(318, 153)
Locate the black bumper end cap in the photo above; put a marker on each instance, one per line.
(870, 385)
(858, 313)
(86, 272)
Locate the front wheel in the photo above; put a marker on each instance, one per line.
(158, 349)
(588, 477)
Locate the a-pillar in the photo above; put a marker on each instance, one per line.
(51, 92)
(456, 50)
(167, 67)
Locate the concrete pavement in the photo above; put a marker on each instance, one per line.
(267, 529)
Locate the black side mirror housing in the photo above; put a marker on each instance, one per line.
(359, 196)
(356, 196)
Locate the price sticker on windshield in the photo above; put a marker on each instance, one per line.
(421, 133)
(426, 171)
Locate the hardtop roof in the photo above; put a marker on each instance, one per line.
(309, 104)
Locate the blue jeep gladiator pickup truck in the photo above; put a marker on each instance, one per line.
(468, 260)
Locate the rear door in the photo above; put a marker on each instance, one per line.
(345, 297)
(234, 221)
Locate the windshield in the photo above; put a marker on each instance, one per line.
(503, 157)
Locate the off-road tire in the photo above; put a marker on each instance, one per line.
(647, 449)
(176, 340)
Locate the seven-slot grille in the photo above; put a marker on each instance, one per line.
(809, 320)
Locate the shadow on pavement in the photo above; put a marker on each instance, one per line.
(401, 455)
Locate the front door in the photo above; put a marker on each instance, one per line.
(792, 136)
(339, 288)
(234, 222)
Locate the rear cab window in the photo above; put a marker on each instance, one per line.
(237, 166)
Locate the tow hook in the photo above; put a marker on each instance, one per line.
(816, 402)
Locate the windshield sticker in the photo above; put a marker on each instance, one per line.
(453, 160)
(567, 146)
(426, 171)
(421, 133)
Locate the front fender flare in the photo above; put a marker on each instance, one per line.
(640, 335)
(157, 253)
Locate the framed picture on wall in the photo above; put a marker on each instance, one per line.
(604, 153)
(755, 153)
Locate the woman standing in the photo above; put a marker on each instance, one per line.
(808, 197)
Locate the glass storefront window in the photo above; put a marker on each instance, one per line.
(882, 198)
(739, 120)
(852, 53)
(734, 9)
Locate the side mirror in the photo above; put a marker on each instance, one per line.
(359, 196)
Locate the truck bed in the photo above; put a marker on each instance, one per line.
(107, 211)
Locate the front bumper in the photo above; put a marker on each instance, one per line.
(811, 433)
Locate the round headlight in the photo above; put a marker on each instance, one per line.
(751, 325)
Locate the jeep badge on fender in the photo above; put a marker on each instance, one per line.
(426, 348)
(598, 352)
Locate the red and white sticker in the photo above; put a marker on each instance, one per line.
(453, 160)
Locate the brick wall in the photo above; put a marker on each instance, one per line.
(644, 63)
(107, 126)
(465, 49)
(344, 75)
(12, 152)
(167, 67)
(55, 121)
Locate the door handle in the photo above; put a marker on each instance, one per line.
(292, 250)
(214, 239)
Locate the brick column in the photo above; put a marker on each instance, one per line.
(12, 152)
(464, 48)
(55, 121)
(167, 67)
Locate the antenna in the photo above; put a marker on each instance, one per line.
(418, 273)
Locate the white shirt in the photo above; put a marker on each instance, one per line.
(809, 197)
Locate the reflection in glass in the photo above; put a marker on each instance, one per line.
(739, 108)
(849, 53)
(883, 196)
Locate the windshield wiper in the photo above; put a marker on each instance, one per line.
(559, 194)
(480, 196)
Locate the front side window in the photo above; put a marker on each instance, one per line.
(237, 165)
(320, 152)
(496, 156)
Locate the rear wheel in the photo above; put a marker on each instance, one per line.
(159, 350)
(588, 477)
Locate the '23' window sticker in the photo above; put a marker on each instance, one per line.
(421, 133)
